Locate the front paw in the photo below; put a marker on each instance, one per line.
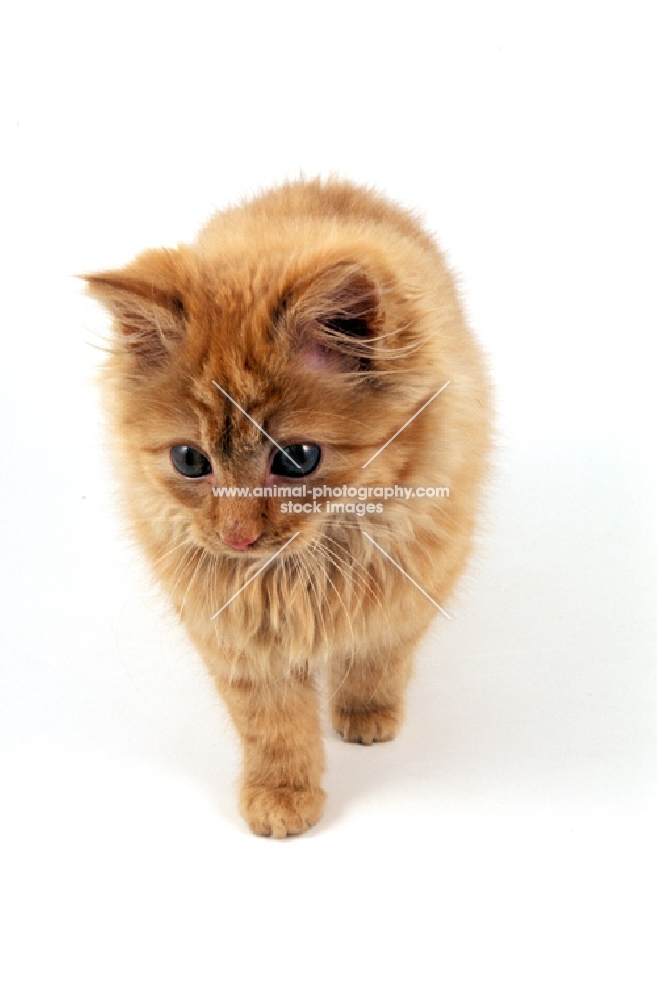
(281, 812)
(366, 725)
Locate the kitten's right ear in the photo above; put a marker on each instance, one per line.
(147, 304)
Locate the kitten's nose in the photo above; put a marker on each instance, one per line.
(237, 539)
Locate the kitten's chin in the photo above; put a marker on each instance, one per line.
(261, 549)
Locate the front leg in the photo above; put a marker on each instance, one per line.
(279, 728)
(366, 695)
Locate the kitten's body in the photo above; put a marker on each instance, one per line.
(328, 315)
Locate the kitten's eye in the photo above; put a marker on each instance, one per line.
(306, 456)
(189, 461)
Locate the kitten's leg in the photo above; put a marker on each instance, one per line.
(283, 754)
(366, 696)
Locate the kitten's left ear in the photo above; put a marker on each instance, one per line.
(339, 316)
(146, 299)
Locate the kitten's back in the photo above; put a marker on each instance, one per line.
(318, 200)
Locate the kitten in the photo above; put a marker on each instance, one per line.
(301, 335)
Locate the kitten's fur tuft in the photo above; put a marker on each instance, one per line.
(329, 316)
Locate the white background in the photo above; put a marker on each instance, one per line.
(504, 844)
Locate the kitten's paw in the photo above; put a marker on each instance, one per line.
(362, 725)
(281, 812)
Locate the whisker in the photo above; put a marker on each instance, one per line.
(349, 623)
(199, 563)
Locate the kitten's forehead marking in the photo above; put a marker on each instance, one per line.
(225, 442)
(256, 424)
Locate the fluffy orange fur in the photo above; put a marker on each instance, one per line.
(329, 316)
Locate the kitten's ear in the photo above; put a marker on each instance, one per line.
(146, 300)
(339, 315)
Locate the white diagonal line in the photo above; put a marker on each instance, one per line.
(256, 424)
(406, 574)
(252, 578)
(404, 427)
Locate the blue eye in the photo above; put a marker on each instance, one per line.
(306, 456)
(190, 462)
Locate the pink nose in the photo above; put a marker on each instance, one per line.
(239, 542)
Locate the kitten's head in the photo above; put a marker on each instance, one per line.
(268, 367)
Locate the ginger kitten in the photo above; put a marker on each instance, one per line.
(284, 349)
